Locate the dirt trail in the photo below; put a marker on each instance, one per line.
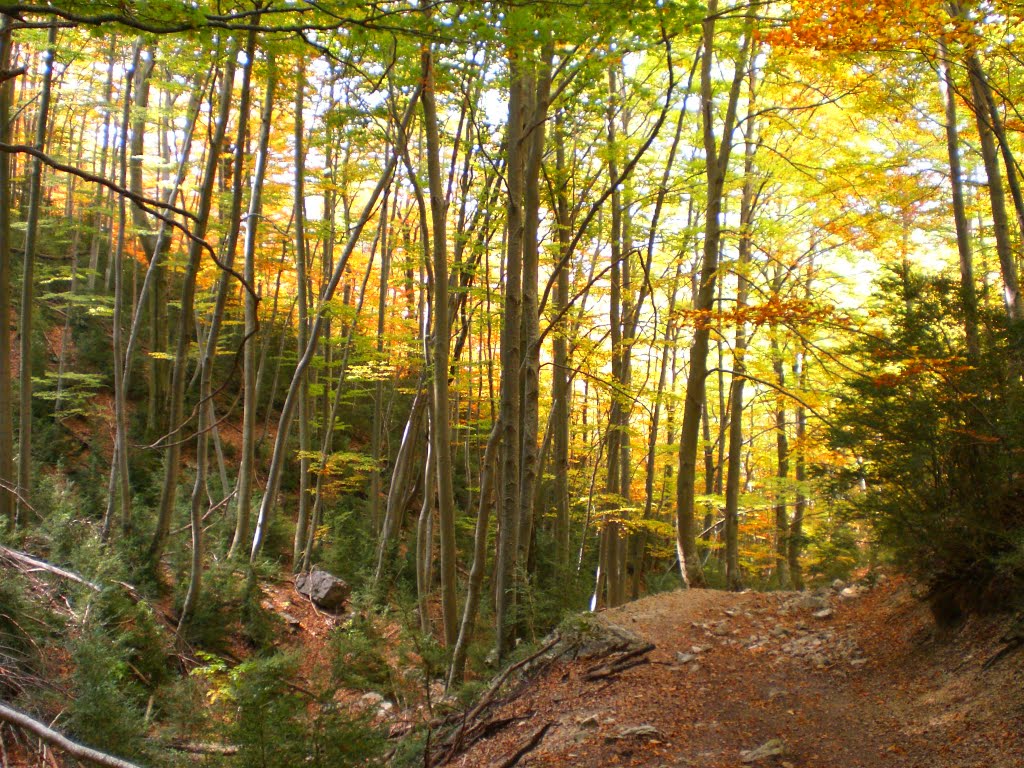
(815, 681)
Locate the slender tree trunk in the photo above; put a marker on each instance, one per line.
(172, 460)
(440, 423)
(7, 478)
(560, 386)
(28, 283)
(996, 194)
(781, 453)
(717, 154)
(968, 298)
(476, 574)
(249, 364)
(529, 382)
(302, 281)
(425, 539)
(101, 192)
(509, 413)
(733, 576)
(119, 458)
(796, 535)
(278, 457)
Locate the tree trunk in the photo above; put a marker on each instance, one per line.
(717, 164)
(529, 382)
(278, 456)
(119, 486)
(440, 423)
(733, 576)
(996, 194)
(172, 460)
(509, 412)
(7, 477)
(968, 298)
(303, 335)
(28, 283)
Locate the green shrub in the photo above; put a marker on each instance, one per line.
(268, 728)
(357, 657)
(935, 443)
(106, 710)
(277, 726)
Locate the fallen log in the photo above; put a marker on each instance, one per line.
(627, 660)
(59, 740)
(34, 564)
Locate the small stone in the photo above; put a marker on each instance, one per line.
(771, 748)
(858, 662)
(697, 650)
(850, 592)
(825, 613)
(685, 658)
(838, 585)
(590, 721)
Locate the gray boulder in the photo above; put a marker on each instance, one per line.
(324, 589)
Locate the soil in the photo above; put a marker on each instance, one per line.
(860, 680)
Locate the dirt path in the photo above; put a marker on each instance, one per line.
(821, 681)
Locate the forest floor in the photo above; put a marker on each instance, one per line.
(854, 679)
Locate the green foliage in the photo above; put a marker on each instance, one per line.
(357, 657)
(137, 633)
(73, 538)
(275, 725)
(220, 611)
(106, 709)
(832, 554)
(935, 443)
(23, 627)
(268, 729)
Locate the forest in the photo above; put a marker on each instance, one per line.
(464, 319)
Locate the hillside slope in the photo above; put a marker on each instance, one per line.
(859, 679)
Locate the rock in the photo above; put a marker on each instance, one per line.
(324, 589)
(293, 624)
(588, 722)
(809, 602)
(850, 592)
(771, 748)
(644, 731)
(838, 585)
(720, 630)
(685, 658)
(824, 613)
(371, 700)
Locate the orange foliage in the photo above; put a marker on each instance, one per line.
(877, 25)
